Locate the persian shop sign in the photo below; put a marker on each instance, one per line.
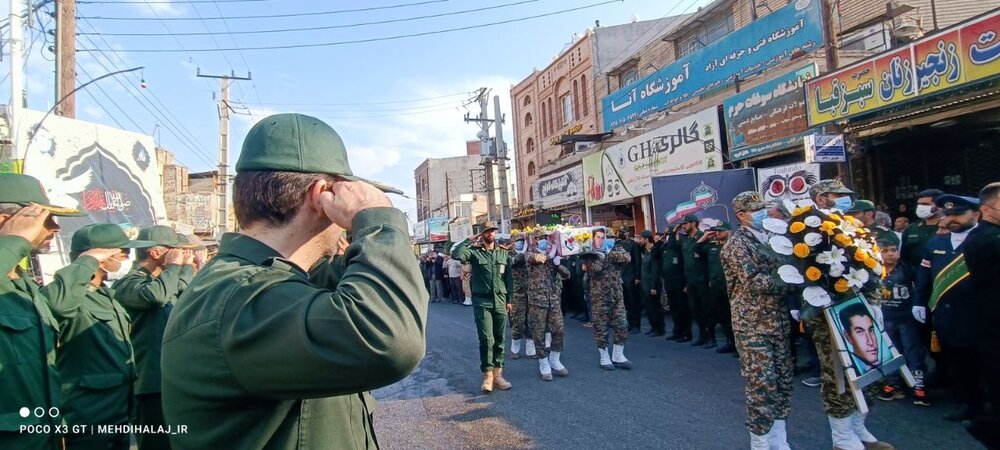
(968, 53)
(761, 45)
(771, 111)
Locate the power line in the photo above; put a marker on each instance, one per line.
(412, 113)
(163, 2)
(329, 27)
(378, 39)
(242, 56)
(414, 100)
(277, 16)
(377, 110)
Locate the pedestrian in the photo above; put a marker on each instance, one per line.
(466, 283)
(603, 274)
(95, 357)
(519, 300)
(441, 276)
(672, 269)
(27, 327)
(982, 255)
(760, 324)
(630, 282)
(718, 297)
(545, 316)
(149, 292)
(945, 292)
(649, 283)
(277, 343)
(696, 278)
(847, 424)
(899, 323)
(454, 279)
(491, 301)
(900, 224)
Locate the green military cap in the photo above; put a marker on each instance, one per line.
(862, 205)
(748, 201)
(192, 240)
(104, 235)
(26, 190)
(887, 239)
(164, 236)
(688, 218)
(722, 226)
(647, 234)
(297, 143)
(828, 187)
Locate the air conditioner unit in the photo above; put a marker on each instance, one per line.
(907, 32)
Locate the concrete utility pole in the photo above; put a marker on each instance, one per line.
(66, 56)
(832, 41)
(501, 155)
(16, 40)
(488, 156)
(224, 110)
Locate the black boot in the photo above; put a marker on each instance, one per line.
(710, 343)
(727, 348)
(684, 338)
(673, 337)
(702, 339)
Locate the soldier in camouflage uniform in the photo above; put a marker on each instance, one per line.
(545, 275)
(847, 424)
(604, 273)
(519, 302)
(760, 324)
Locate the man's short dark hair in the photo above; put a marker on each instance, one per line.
(932, 193)
(10, 208)
(271, 197)
(852, 310)
(989, 193)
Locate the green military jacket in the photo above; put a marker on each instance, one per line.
(630, 271)
(491, 282)
(95, 360)
(28, 336)
(672, 264)
(260, 354)
(713, 265)
(915, 238)
(149, 301)
(649, 270)
(695, 269)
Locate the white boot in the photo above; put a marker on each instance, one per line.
(468, 301)
(557, 366)
(843, 436)
(779, 436)
(529, 347)
(548, 340)
(618, 357)
(760, 441)
(545, 369)
(869, 440)
(515, 348)
(605, 359)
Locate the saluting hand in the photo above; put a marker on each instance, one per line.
(174, 256)
(28, 223)
(342, 245)
(346, 198)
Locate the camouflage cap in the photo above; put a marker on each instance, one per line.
(828, 187)
(748, 201)
(489, 226)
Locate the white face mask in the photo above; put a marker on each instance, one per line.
(925, 211)
(124, 269)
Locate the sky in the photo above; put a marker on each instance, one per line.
(395, 100)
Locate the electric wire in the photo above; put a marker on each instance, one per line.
(278, 16)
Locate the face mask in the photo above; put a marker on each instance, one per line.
(843, 203)
(124, 269)
(608, 245)
(925, 211)
(758, 219)
(519, 246)
(543, 246)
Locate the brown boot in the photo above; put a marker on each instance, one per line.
(487, 382)
(499, 382)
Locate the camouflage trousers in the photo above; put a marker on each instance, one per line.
(835, 404)
(608, 311)
(542, 319)
(518, 316)
(766, 365)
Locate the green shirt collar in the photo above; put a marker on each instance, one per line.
(246, 247)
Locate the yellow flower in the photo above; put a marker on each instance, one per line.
(801, 250)
(841, 286)
(813, 274)
(876, 250)
(836, 218)
(843, 239)
(871, 263)
(860, 255)
(802, 210)
(853, 221)
(797, 227)
(828, 227)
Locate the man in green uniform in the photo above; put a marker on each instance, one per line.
(917, 234)
(649, 283)
(491, 301)
(718, 298)
(95, 353)
(28, 331)
(148, 292)
(262, 352)
(864, 210)
(630, 282)
(672, 269)
(696, 278)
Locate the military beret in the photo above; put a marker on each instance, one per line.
(951, 205)
(862, 205)
(828, 187)
(25, 190)
(748, 201)
(103, 235)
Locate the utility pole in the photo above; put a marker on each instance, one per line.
(832, 40)
(16, 40)
(488, 155)
(66, 56)
(501, 156)
(224, 110)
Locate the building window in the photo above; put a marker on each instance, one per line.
(567, 110)
(711, 31)
(583, 91)
(545, 123)
(552, 123)
(688, 46)
(530, 145)
(531, 169)
(531, 193)
(576, 95)
(629, 76)
(527, 100)
(527, 120)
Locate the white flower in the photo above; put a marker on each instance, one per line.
(776, 226)
(789, 205)
(848, 228)
(816, 296)
(813, 239)
(836, 269)
(789, 274)
(834, 255)
(813, 222)
(878, 270)
(864, 244)
(781, 245)
(856, 278)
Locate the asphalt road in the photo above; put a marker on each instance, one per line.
(676, 397)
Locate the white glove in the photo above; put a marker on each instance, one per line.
(797, 315)
(553, 253)
(879, 318)
(556, 260)
(920, 313)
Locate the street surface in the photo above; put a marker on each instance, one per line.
(676, 397)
